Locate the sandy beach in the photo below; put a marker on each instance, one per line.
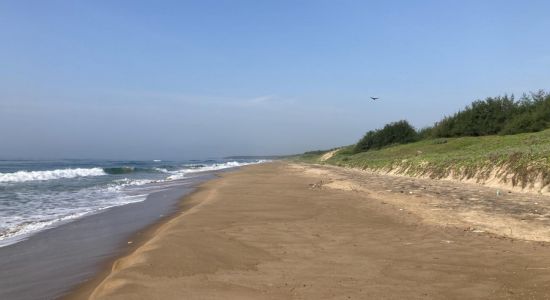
(288, 231)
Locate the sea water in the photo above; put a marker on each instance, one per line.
(37, 195)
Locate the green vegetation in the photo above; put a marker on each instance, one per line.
(494, 115)
(497, 137)
(400, 132)
(498, 115)
(522, 159)
(311, 156)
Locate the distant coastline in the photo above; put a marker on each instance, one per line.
(259, 157)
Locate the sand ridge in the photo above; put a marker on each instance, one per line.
(441, 202)
(279, 231)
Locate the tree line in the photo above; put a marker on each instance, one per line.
(494, 115)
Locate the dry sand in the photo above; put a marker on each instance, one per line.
(283, 231)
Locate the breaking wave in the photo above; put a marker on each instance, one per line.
(195, 168)
(28, 205)
(126, 170)
(22, 176)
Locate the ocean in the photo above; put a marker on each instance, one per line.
(36, 195)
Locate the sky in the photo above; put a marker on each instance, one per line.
(201, 79)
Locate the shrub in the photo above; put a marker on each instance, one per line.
(494, 115)
(498, 115)
(426, 133)
(400, 132)
(534, 116)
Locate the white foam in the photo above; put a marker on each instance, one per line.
(22, 176)
(47, 210)
(124, 182)
(16, 230)
(180, 174)
(21, 231)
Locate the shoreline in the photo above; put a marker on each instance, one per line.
(55, 261)
(276, 231)
(86, 288)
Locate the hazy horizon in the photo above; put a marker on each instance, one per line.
(200, 79)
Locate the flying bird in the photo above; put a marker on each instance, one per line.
(374, 98)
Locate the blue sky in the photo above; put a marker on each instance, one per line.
(195, 79)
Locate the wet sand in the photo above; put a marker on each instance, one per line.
(50, 263)
(283, 231)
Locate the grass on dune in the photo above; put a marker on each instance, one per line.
(521, 158)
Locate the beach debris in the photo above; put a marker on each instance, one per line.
(130, 242)
(498, 193)
(316, 185)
